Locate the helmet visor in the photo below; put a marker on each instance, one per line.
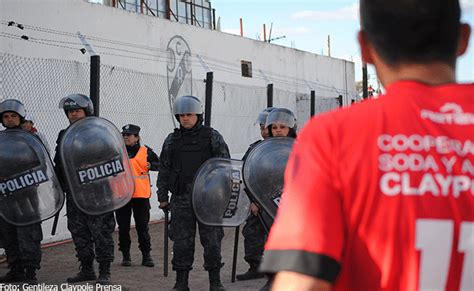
(284, 117)
(14, 106)
(187, 105)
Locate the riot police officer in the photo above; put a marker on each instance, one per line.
(184, 151)
(22, 243)
(253, 231)
(142, 159)
(281, 122)
(92, 234)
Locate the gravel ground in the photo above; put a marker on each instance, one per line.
(59, 262)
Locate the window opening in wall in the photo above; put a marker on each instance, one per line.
(246, 69)
(194, 12)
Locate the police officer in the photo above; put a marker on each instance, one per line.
(281, 122)
(22, 243)
(184, 151)
(92, 234)
(142, 160)
(254, 233)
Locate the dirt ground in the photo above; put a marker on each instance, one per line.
(59, 262)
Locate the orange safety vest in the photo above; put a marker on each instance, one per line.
(140, 174)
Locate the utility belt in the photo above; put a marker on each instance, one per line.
(179, 185)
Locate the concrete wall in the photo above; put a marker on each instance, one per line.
(131, 44)
(220, 52)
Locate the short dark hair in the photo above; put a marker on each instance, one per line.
(412, 31)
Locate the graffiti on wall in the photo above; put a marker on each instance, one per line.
(179, 72)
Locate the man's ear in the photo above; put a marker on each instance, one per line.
(464, 35)
(365, 48)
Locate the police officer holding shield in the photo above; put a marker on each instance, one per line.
(22, 243)
(92, 234)
(281, 122)
(184, 151)
(254, 232)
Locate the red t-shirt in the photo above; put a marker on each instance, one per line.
(381, 195)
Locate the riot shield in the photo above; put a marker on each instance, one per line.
(29, 189)
(96, 166)
(264, 169)
(218, 196)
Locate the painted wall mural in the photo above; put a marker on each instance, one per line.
(179, 70)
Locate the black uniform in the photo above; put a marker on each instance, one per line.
(92, 234)
(184, 151)
(22, 245)
(140, 208)
(254, 233)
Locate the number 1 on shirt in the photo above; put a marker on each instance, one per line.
(434, 238)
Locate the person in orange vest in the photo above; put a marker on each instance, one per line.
(142, 160)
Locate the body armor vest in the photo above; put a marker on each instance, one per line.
(190, 149)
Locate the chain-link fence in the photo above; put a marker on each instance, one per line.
(232, 115)
(130, 96)
(39, 84)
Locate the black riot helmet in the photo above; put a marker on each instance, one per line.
(187, 105)
(76, 101)
(12, 105)
(282, 116)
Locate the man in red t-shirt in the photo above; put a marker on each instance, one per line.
(389, 206)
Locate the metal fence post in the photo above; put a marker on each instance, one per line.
(270, 95)
(95, 83)
(208, 108)
(313, 102)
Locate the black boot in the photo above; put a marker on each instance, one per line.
(30, 276)
(251, 274)
(215, 280)
(126, 260)
(147, 260)
(16, 274)
(85, 274)
(181, 281)
(104, 273)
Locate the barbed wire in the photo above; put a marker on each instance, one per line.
(224, 66)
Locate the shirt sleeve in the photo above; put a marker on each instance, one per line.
(153, 159)
(308, 234)
(218, 146)
(164, 170)
(58, 164)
